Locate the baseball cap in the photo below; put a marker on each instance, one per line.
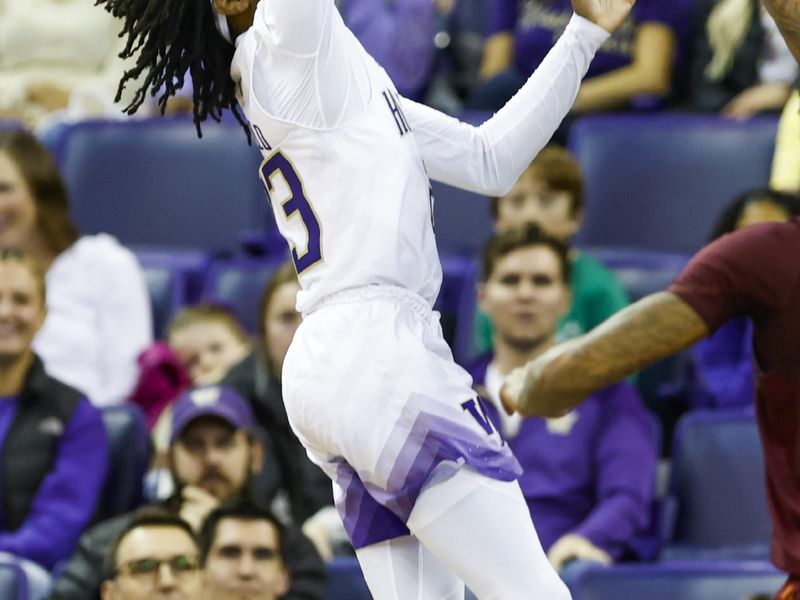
(210, 401)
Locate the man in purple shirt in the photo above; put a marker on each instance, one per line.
(399, 34)
(588, 476)
(636, 63)
(54, 448)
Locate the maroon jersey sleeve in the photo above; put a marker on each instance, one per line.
(742, 273)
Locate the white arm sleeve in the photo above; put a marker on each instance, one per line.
(489, 159)
(297, 26)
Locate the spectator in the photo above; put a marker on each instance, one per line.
(550, 194)
(786, 163)
(636, 61)
(242, 554)
(209, 340)
(754, 273)
(723, 362)
(588, 479)
(154, 558)
(58, 55)
(98, 310)
(399, 35)
(54, 451)
(213, 457)
(258, 378)
(739, 63)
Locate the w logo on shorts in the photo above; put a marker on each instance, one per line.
(477, 409)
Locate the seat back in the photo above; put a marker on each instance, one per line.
(13, 585)
(679, 581)
(345, 580)
(174, 278)
(238, 284)
(718, 481)
(129, 457)
(660, 181)
(461, 220)
(152, 181)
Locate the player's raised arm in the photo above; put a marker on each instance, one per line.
(489, 159)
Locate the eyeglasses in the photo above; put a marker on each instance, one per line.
(181, 564)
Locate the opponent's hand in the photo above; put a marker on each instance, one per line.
(608, 14)
(512, 390)
(576, 547)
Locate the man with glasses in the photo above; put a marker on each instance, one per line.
(155, 557)
(213, 455)
(240, 548)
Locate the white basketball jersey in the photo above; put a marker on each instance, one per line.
(342, 170)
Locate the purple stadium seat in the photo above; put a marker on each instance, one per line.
(153, 182)
(659, 181)
(717, 480)
(129, 449)
(175, 277)
(13, 585)
(238, 283)
(345, 580)
(680, 580)
(461, 221)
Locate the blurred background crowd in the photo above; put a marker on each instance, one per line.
(146, 302)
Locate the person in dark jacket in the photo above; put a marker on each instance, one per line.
(54, 449)
(213, 455)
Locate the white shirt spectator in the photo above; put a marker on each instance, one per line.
(98, 319)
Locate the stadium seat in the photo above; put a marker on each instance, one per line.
(717, 480)
(129, 446)
(238, 283)
(464, 349)
(13, 585)
(640, 271)
(679, 580)
(153, 182)
(174, 278)
(660, 181)
(461, 221)
(345, 580)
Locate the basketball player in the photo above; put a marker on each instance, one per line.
(424, 484)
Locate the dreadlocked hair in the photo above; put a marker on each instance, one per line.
(170, 38)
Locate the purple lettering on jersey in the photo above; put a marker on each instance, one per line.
(297, 203)
(397, 112)
(476, 408)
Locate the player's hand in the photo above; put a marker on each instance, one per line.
(576, 547)
(511, 391)
(608, 14)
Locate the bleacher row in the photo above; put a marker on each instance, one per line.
(712, 525)
(197, 217)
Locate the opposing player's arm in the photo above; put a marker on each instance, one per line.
(787, 15)
(651, 329)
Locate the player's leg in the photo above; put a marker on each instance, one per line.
(403, 569)
(486, 537)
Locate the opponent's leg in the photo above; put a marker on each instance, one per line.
(486, 537)
(403, 569)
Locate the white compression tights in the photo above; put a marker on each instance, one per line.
(485, 538)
